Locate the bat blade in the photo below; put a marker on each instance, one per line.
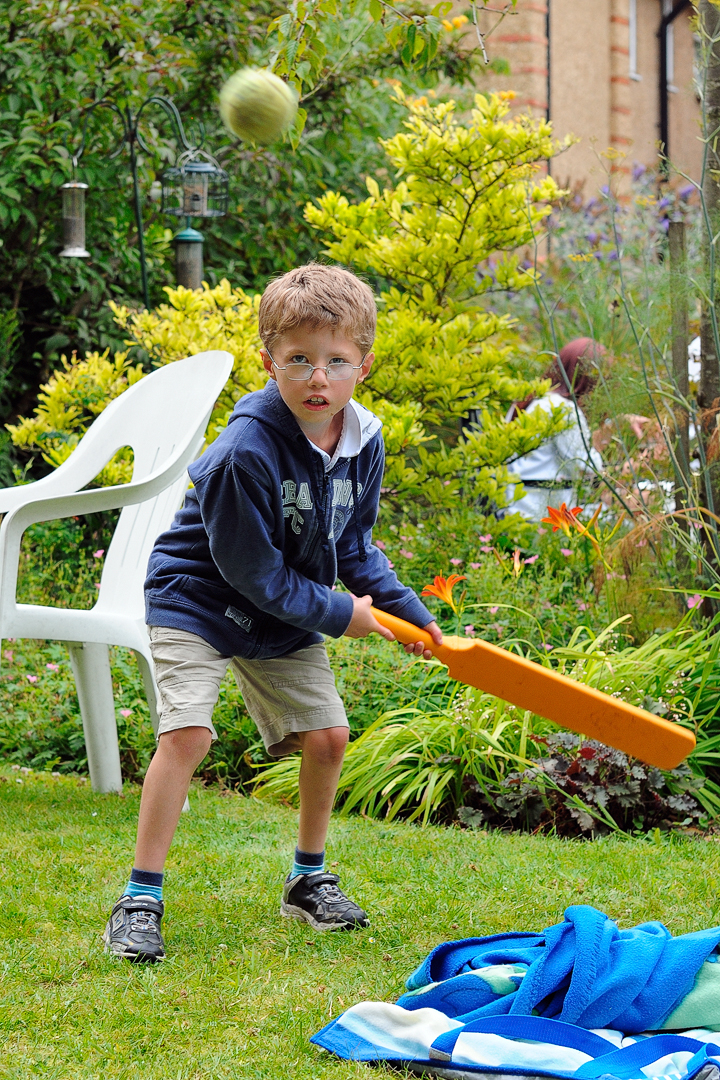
(554, 696)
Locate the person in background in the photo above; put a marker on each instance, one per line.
(550, 473)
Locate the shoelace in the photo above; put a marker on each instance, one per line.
(143, 921)
(331, 892)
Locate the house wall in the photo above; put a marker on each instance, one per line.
(580, 88)
(593, 95)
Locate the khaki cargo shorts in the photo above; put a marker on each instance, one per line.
(284, 696)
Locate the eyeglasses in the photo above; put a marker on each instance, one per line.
(300, 371)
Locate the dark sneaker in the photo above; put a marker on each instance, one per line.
(316, 899)
(133, 930)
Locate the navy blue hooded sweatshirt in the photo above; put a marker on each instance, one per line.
(250, 560)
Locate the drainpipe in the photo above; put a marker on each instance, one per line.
(664, 111)
(548, 57)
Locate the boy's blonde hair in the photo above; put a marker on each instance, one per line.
(319, 296)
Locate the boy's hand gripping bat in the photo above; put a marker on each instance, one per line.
(553, 696)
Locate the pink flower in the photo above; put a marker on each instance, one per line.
(97, 584)
(531, 560)
(8, 654)
(446, 483)
(31, 678)
(486, 550)
(53, 667)
(486, 538)
(457, 562)
(565, 551)
(547, 648)
(492, 610)
(391, 563)
(380, 544)
(582, 606)
(470, 630)
(99, 553)
(126, 713)
(474, 565)
(541, 531)
(694, 601)
(406, 554)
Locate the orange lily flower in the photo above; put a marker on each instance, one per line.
(443, 587)
(563, 518)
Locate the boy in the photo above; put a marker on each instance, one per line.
(283, 504)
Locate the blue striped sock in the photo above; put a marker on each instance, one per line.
(145, 883)
(307, 862)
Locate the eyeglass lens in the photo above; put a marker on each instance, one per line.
(301, 372)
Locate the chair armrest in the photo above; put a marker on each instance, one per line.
(87, 502)
(18, 520)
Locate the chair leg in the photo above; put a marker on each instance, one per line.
(151, 693)
(91, 668)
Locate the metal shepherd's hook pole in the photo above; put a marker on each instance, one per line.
(132, 133)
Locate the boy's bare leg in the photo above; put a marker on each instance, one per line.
(322, 757)
(315, 897)
(164, 791)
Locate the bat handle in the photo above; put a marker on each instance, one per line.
(403, 631)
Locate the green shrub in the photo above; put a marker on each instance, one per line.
(468, 196)
(582, 788)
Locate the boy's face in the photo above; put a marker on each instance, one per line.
(316, 401)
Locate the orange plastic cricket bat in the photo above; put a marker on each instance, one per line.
(556, 697)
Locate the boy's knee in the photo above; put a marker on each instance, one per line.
(326, 745)
(189, 744)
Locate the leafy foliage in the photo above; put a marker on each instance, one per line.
(583, 788)
(438, 353)
(192, 322)
(69, 402)
(469, 194)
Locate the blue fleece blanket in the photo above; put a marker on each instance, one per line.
(549, 1003)
(584, 971)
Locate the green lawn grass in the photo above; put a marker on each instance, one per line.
(243, 989)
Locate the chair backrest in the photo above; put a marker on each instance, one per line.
(174, 415)
(155, 417)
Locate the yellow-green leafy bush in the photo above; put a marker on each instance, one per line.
(469, 197)
(195, 321)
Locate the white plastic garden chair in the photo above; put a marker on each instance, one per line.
(163, 418)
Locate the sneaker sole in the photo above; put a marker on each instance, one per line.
(290, 911)
(124, 954)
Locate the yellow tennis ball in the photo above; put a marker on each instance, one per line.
(257, 105)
